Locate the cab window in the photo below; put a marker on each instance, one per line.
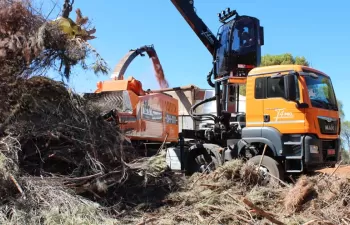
(267, 87)
(259, 88)
(275, 87)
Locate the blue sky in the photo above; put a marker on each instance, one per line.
(318, 30)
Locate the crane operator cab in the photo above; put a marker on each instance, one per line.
(239, 47)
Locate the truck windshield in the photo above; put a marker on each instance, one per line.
(321, 92)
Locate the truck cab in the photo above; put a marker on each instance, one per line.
(293, 109)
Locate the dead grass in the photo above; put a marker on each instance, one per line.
(250, 175)
(301, 192)
(215, 198)
(47, 201)
(219, 198)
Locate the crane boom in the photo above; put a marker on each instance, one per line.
(124, 63)
(187, 10)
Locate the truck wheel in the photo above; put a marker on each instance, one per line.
(269, 165)
(202, 160)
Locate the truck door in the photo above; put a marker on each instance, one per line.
(255, 101)
(278, 111)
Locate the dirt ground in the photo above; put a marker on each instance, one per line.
(342, 171)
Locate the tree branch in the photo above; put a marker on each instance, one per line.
(67, 8)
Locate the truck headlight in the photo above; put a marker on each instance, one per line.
(314, 149)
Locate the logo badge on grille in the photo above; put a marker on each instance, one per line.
(328, 120)
(330, 127)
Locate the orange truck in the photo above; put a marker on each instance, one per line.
(293, 110)
(291, 121)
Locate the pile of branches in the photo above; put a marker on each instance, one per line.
(236, 194)
(30, 44)
(59, 134)
(52, 137)
(52, 133)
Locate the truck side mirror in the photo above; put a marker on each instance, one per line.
(290, 85)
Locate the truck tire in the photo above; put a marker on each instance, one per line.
(200, 156)
(271, 165)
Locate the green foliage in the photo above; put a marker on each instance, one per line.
(282, 59)
(301, 61)
(242, 90)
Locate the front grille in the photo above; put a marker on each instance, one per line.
(328, 125)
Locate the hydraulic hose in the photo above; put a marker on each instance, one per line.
(205, 116)
(210, 74)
